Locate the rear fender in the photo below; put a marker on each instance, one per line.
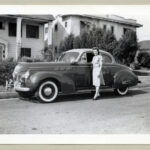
(125, 78)
(67, 84)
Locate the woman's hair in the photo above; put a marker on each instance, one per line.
(96, 48)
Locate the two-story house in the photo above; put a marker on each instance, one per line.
(23, 35)
(76, 24)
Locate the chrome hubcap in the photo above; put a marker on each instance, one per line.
(48, 91)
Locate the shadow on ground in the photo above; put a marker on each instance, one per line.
(84, 96)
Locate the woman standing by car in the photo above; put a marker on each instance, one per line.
(97, 66)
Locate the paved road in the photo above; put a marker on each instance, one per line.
(78, 114)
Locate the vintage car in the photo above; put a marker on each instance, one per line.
(71, 73)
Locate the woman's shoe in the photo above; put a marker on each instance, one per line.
(95, 97)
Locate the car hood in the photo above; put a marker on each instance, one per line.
(24, 66)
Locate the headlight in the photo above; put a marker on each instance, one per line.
(13, 74)
(26, 75)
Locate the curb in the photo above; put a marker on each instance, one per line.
(142, 72)
(5, 95)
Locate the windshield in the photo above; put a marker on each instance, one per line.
(68, 57)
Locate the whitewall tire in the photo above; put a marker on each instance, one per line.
(121, 91)
(47, 92)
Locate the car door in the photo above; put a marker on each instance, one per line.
(107, 70)
(83, 73)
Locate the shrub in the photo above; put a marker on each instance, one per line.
(34, 59)
(135, 65)
(126, 48)
(25, 59)
(6, 70)
(67, 43)
(144, 59)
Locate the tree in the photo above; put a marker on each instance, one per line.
(123, 50)
(144, 59)
(126, 48)
(108, 42)
(67, 43)
(85, 40)
(77, 42)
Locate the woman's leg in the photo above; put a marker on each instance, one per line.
(96, 92)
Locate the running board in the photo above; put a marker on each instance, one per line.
(87, 91)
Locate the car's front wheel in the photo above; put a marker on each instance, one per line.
(121, 91)
(47, 92)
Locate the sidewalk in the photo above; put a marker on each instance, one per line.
(5, 95)
(142, 72)
(145, 81)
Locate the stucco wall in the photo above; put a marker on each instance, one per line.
(73, 26)
(61, 33)
(118, 28)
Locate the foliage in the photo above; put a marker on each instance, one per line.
(67, 43)
(47, 53)
(123, 50)
(126, 48)
(33, 59)
(6, 70)
(144, 59)
(135, 66)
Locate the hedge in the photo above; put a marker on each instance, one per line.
(7, 67)
(144, 59)
(6, 70)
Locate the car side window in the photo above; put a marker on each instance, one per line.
(83, 58)
(106, 58)
(90, 57)
(86, 57)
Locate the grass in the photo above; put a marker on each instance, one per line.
(3, 89)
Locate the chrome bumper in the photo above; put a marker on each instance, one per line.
(22, 89)
(18, 87)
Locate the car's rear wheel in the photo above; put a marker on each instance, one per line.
(47, 92)
(121, 91)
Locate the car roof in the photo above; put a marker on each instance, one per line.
(82, 50)
(85, 50)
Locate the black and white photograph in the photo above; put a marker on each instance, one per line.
(75, 72)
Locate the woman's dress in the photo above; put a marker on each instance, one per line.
(97, 66)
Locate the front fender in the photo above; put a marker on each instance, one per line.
(66, 83)
(125, 78)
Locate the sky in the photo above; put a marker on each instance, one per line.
(141, 13)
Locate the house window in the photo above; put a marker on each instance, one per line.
(112, 29)
(66, 24)
(56, 27)
(3, 54)
(84, 27)
(56, 50)
(12, 29)
(125, 30)
(26, 52)
(1, 25)
(32, 31)
(104, 27)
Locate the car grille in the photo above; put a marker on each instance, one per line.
(17, 77)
